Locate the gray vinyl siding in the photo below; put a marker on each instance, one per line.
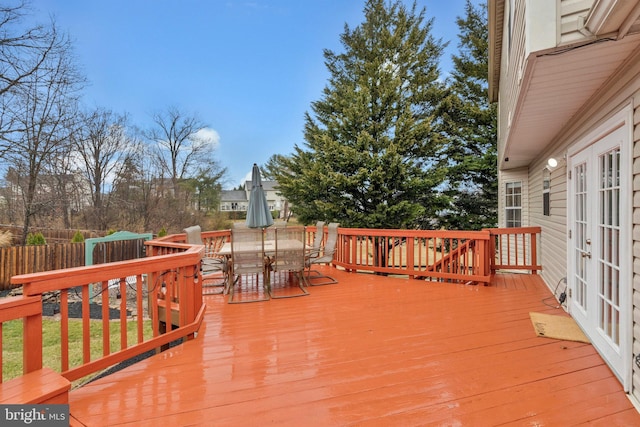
(515, 54)
(513, 65)
(623, 88)
(553, 247)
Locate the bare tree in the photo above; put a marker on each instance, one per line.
(136, 192)
(11, 197)
(43, 108)
(178, 143)
(184, 147)
(102, 143)
(66, 187)
(23, 51)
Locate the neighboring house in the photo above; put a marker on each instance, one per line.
(53, 195)
(238, 200)
(566, 76)
(233, 201)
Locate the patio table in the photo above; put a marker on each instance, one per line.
(269, 247)
(269, 251)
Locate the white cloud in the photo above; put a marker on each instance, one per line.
(209, 136)
(246, 178)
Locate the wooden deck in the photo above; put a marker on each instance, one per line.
(371, 350)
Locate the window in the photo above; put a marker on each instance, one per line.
(513, 205)
(546, 187)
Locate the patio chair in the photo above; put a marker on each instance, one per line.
(248, 266)
(214, 269)
(323, 256)
(314, 250)
(289, 262)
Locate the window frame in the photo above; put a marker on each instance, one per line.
(513, 204)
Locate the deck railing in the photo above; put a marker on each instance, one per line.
(514, 249)
(124, 284)
(439, 255)
(169, 280)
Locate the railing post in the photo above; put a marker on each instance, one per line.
(534, 251)
(346, 252)
(411, 263)
(483, 262)
(32, 341)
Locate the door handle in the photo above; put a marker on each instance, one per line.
(586, 254)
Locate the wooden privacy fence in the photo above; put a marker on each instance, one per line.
(51, 235)
(16, 260)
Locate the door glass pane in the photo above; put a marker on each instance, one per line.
(609, 247)
(580, 225)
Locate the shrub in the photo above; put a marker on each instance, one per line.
(5, 239)
(162, 232)
(77, 237)
(36, 239)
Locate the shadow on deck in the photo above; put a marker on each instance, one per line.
(371, 350)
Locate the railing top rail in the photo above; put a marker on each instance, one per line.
(181, 237)
(216, 233)
(478, 235)
(36, 283)
(515, 230)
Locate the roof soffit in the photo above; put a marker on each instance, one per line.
(556, 86)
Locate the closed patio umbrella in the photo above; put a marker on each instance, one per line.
(258, 213)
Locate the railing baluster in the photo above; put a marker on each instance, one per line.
(123, 313)
(106, 325)
(86, 326)
(64, 330)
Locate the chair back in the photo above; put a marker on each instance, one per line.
(194, 235)
(290, 249)
(332, 239)
(247, 250)
(317, 240)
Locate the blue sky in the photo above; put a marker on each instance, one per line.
(248, 69)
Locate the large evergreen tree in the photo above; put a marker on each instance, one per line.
(469, 125)
(370, 145)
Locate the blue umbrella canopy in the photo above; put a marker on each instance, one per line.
(258, 213)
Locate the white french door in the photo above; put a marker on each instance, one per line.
(599, 246)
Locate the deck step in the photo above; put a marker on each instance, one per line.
(43, 386)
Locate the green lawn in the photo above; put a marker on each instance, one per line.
(12, 343)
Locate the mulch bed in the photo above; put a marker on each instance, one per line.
(75, 310)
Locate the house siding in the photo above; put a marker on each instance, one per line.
(516, 54)
(572, 14)
(553, 247)
(511, 74)
(621, 90)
